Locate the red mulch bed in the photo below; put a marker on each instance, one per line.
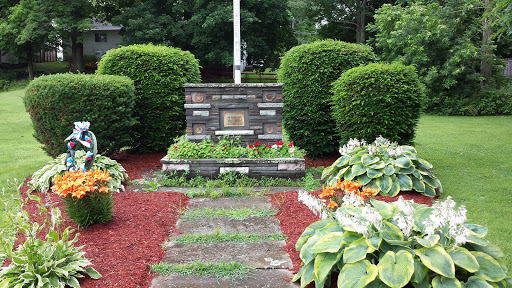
(122, 249)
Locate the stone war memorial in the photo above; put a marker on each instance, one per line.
(251, 112)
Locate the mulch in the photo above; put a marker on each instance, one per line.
(122, 249)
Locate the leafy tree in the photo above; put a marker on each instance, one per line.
(205, 28)
(502, 15)
(442, 41)
(25, 27)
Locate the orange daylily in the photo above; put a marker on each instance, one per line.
(326, 192)
(78, 184)
(350, 186)
(332, 204)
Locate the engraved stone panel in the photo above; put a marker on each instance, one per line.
(201, 113)
(267, 112)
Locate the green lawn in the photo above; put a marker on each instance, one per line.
(472, 156)
(20, 153)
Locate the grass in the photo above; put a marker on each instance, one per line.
(226, 237)
(232, 270)
(20, 153)
(472, 156)
(232, 213)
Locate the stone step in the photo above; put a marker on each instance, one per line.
(259, 278)
(262, 255)
(260, 202)
(251, 225)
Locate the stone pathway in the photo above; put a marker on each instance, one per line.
(270, 261)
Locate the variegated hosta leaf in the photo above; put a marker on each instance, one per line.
(464, 259)
(490, 269)
(357, 275)
(437, 260)
(356, 251)
(477, 282)
(428, 241)
(323, 265)
(330, 242)
(443, 282)
(396, 270)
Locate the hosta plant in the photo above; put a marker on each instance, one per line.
(376, 244)
(387, 167)
(87, 197)
(44, 178)
(45, 255)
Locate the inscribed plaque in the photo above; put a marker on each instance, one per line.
(234, 119)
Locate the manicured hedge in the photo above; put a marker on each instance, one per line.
(307, 72)
(158, 73)
(55, 102)
(378, 99)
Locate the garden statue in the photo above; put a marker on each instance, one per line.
(82, 135)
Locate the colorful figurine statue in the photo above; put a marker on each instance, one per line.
(82, 135)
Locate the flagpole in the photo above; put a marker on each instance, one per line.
(237, 73)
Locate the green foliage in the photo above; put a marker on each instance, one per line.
(378, 99)
(158, 73)
(93, 208)
(205, 28)
(400, 245)
(226, 237)
(385, 166)
(233, 270)
(44, 178)
(232, 214)
(230, 147)
(308, 72)
(6, 80)
(52, 262)
(55, 102)
(443, 42)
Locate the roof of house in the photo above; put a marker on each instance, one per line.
(103, 26)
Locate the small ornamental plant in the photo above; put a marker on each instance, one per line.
(368, 243)
(387, 167)
(87, 196)
(231, 148)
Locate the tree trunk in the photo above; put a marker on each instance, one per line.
(360, 22)
(486, 62)
(29, 61)
(77, 52)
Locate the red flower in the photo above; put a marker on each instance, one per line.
(268, 145)
(257, 144)
(290, 144)
(71, 145)
(251, 146)
(279, 143)
(175, 147)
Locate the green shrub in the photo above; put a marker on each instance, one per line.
(307, 72)
(378, 99)
(55, 102)
(159, 73)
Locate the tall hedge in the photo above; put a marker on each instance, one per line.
(307, 72)
(159, 73)
(55, 102)
(378, 99)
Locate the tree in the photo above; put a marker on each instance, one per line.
(25, 27)
(442, 41)
(205, 28)
(502, 15)
(70, 19)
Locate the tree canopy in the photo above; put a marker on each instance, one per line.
(205, 28)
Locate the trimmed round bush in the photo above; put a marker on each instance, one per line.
(378, 100)
(158, 73)
(307, 72)
(55, 102)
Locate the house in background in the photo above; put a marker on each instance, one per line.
(98, 40)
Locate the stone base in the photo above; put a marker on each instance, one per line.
(292, 168)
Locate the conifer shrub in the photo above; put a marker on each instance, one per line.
(307, 72)
(55, 102)
(378, 100)
(158, 73)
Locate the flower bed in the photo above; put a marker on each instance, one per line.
(208, 159)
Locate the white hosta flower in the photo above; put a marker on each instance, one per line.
(395, 153)
(373, 216)
(352, 199)
(404, 222)
(352, 222)
(314, 204)
(445, 214)
(405, 206)
(372, 150)
(351, 145)
(381, 141)
(459, 235)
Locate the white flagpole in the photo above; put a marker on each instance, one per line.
(237, 73)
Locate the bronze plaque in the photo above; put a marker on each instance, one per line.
(234, 118)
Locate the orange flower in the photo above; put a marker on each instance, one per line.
(368, 192)
(332, 204)
(78, 184)
(350, 186)
(326, 192)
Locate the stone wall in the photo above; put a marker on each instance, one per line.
(255, 168)
(252, 111)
